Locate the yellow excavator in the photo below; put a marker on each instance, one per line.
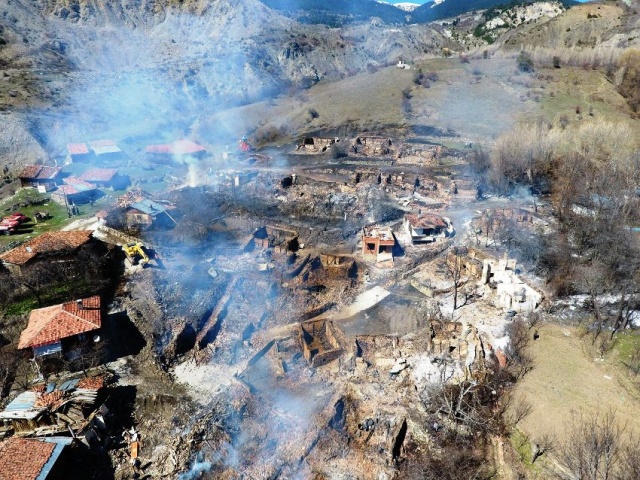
(136, 253)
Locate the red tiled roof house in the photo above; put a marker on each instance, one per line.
(34, 175)
(179, 150)
(54, 329)
(105, 178)
(59, 244)
(78, 152)
(30, 458)
(75, 191)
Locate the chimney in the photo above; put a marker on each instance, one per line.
(79, 304)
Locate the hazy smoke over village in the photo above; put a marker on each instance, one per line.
(265, 239)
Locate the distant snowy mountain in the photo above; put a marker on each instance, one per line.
(436, 2)
(407, 6)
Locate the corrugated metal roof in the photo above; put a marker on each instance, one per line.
(69, 384)
(100, 147)
(22, 407)
(24, 401)
(149, 207)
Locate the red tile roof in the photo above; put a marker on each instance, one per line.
(179, 147)
(99, 174)
(75, 185)
(23, 458)
(427, 220)
(40, 172)
(30, 171)
(77, 148)
(49, 242)
(51, 324)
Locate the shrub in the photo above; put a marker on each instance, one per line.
(524, 62)
(629, 84)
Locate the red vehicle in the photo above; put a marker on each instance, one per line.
(5, 230)
(8, 222)
(18, 217)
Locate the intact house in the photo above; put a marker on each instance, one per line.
(147, 213)
(62, 329)
(106, 150)
(78, 152)
(40, 175)
(48, 247)
(75, 191)
(180, 151)
(378, 243)
(427, 227)
(31, 458)
(105, 178)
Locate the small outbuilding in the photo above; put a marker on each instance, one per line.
(147, 213)
(79, 152)
(316, 144)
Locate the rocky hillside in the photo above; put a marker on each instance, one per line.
(338, 12)
(605, 25)
(450, 8)
(157, 65)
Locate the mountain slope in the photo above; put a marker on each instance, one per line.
(125, 67)
(337, 12)
(450, 8)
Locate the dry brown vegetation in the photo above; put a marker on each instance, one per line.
(628, 78)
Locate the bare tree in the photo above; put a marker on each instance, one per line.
(9, 359)
(544, 445)
(593, 449)
(454, 266)
(519, 362)
(518, 410)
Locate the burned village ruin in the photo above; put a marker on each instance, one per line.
(243, 240)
